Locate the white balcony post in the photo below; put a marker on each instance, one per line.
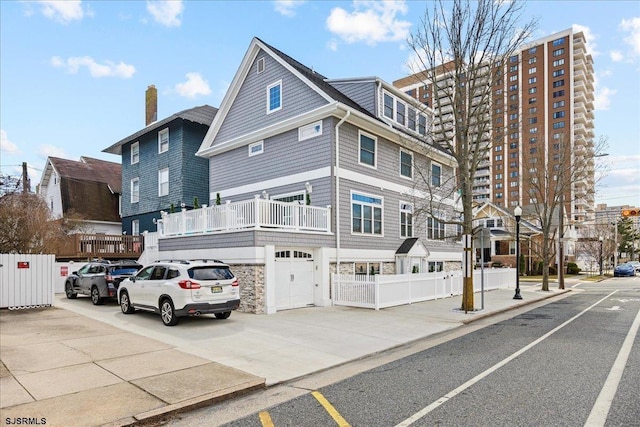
(328, 219)
(183, 220)
(227, 214)
(256, 210)
(205, 220)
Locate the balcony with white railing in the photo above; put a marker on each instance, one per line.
(256, 214)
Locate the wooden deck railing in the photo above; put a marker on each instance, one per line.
(107, 246)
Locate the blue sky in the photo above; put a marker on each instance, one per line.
(73, 73)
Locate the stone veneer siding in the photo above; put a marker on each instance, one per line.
(252, 291)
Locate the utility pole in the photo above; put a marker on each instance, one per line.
(26, 187)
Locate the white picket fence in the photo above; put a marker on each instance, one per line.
(26, 281)
(388, 290)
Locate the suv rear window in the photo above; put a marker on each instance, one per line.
(124, 270)
(210, 273)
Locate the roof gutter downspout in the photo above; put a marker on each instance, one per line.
(337, 202)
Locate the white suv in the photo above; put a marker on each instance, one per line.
(181, 288)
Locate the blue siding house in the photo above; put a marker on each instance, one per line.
(328, 177)
(160, 171)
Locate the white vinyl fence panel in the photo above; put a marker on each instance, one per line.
(26, 281)
(388, 290)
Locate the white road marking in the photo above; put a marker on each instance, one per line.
(614, 308)
(600, 410)
(427, 409)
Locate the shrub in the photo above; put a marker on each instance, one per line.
(572, 268)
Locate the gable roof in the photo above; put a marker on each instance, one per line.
(203, 115)
(89, 187)
(339, 104)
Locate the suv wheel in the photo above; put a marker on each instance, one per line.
(224, 315)
(68, 289)
(95, 296)
(125, 303)
(167, 313)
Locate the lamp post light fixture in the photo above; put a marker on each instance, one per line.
(517, 212)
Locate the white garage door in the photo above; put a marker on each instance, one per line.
(294, 278)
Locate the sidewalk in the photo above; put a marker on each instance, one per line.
(82, 365)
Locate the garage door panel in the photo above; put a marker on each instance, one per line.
(294, 279)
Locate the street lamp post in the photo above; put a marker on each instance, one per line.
(517, 212)
(600, 238)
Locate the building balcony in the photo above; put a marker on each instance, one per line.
(249, 214)
(105, 246)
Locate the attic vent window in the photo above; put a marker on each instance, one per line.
(260, 65)
(309, 131)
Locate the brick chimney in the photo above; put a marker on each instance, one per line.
(151, 110)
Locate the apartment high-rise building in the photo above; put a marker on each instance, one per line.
(544, 101)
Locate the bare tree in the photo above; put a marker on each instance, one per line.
(552, 178)
(462, 48)
(26, 225)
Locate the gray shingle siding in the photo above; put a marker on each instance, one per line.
(188, 174)
(249, 110)
(250, 238)
(283, 155)
(364, 93)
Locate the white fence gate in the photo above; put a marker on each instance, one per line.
(26, 281)
(388, 290)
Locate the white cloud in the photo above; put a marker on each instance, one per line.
(332, 45)
(107, 69)
(6, 145)
(194, 86)
(47, 150)
(370, 21)
(287, 7)
(616, 56)
(603, 98)
(166, 12)
(632, 27)
(62, 11)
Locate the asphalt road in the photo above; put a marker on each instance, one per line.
(571, 362)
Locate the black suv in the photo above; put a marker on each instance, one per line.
(99, 279)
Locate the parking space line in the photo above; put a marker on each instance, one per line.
(265, 419)
(330, 409)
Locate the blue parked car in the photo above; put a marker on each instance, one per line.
(625, 269)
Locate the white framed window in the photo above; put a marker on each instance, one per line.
(163, 182)
(274, 97)
(366, 214)
(135, 153)
(388, 106)
(368, 150)
(422, 124)
(256, 148)
(435, 229)
(260, 66)
(135, 227)
(406, 219)
(135, 190)
(401, 113)
(289, 197)
(163, 140)
(309, 131)
(406, 164)
(436, 174)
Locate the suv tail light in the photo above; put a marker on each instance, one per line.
(235, 283)
(189, 284)
(108, 278)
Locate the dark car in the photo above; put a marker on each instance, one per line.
(99, 279)
(625, 269)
